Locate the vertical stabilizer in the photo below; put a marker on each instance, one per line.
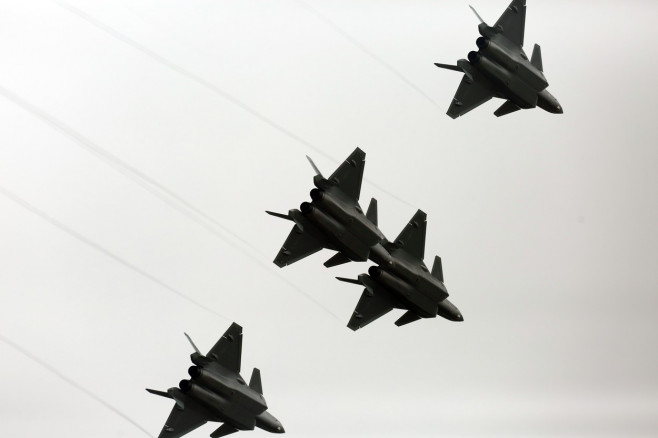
(371, 214)
(407, 318)
(315, 168)
(437, 269)
(337, 259)
(536, 58)
(449, 67)
(477, 15)
(223, 430)
(255, 382)
(506, 108)
(192, 342)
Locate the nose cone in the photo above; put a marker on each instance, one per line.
(266, 421)
(449, 311)
(554, 107)
(548, 102)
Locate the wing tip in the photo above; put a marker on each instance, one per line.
(420, 215)
(353, 327)
(235, 327)
(359, 151)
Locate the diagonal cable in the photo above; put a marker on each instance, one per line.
(150, 184)
(367, 51)
(73, 383)
(43, 215)
(210, 86)
(154, 187)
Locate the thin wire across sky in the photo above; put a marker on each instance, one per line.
(71, 382)
(155, 188)
(213, 88)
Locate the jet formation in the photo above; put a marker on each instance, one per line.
(217, 392)
(500, 68)
(334, 220)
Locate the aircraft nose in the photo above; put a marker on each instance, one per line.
(277, 427)
(449, 311)
(266, 421)
(548, 102)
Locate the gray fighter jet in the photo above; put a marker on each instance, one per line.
(500, 68)
(217, 392)
(402, 281)
(333, 219)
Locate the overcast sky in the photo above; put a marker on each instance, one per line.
(141, 142)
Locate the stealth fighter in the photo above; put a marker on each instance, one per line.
(333, 219)
(217, 392)
(402, 281)
(500, 68)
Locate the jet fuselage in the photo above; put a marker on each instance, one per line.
(410, 297)
(398, 272)
(340, 220)
(225, 396)
(510, 71)
(410, 282)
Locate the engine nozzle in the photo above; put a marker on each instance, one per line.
(482, 42)
(185, 385)
(474, 57)
(374, 271)
(306, 208)
(317, 195)
(194, 371)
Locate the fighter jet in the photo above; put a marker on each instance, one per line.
(217, 392)
(500, 68)
(402, 281)
(333, 219)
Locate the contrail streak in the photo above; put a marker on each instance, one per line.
(366, 51)
(210, 86)
(73, 383)
(154, 187)
(18, 200)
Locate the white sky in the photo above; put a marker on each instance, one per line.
(547, 225)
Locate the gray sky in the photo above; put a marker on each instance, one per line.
(142, 141)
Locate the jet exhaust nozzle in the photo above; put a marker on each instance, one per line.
(482, 42)
(306, 208)
(375, 271)
(185, 385)
(474, 57)
(194, 371)
(317, 195)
